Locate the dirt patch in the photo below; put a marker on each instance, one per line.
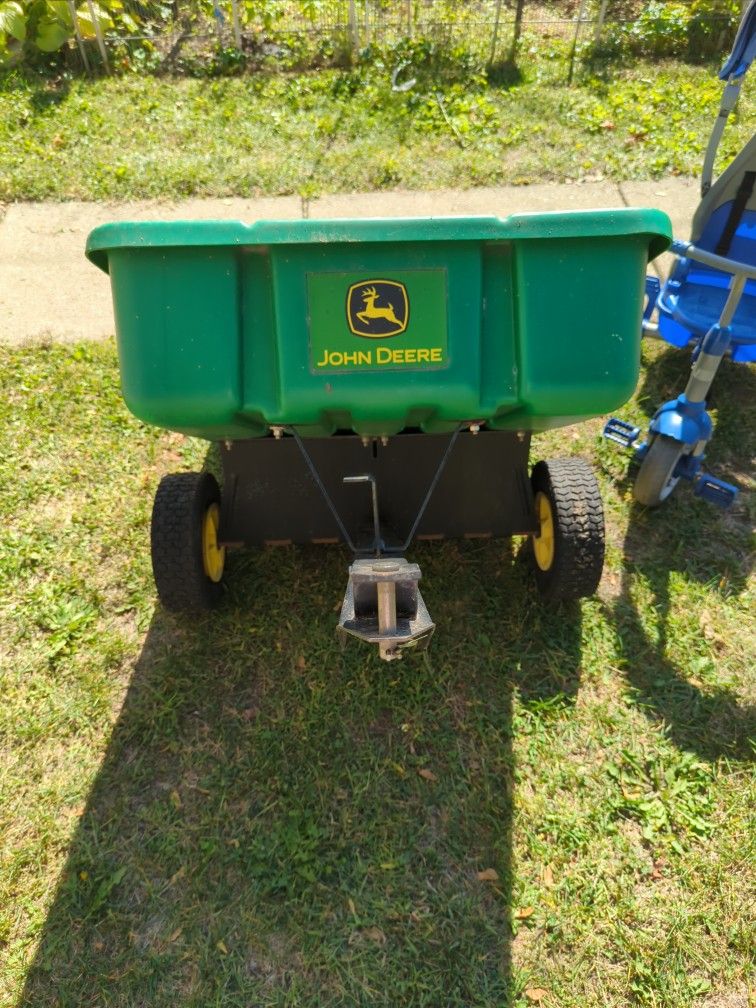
(736, 999)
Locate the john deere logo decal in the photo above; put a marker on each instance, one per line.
(375, 329)
(377, 308)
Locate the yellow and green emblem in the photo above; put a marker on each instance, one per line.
(405, 313)
(377, 308)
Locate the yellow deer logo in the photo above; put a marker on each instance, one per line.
(377, 308)
(370, 296)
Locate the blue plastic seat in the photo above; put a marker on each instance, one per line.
(694, 295)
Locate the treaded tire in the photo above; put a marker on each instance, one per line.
(180, 504)
(578, 524)
(656, 479)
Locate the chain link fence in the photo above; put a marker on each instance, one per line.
(318, 32)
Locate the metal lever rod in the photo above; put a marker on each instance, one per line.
(370, 478)
(431, 488)
(379, 546)
(321, 486)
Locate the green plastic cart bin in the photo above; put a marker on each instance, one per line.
(414, 356)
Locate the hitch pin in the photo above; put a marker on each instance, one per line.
(386, 590)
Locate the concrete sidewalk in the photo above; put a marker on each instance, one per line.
(48, 290)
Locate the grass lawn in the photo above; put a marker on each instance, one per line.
(230, 812)
(335, 131)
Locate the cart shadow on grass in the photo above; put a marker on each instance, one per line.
(260, 833)
(686, 537)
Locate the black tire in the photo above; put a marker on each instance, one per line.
(656, 479)
(571, 489)
(181, 502)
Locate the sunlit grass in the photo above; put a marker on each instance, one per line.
(336, 131)
(229, 811)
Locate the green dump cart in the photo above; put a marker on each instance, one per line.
(375, 381)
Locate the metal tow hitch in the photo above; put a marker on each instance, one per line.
(383, 606)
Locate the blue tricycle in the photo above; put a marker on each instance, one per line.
(708, 303)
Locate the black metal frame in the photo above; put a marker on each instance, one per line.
(283, 489)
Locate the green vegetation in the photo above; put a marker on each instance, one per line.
(331, 131)
(550, 806)
(214, 36)
(229, 811)
(29, 28)
(667, 28)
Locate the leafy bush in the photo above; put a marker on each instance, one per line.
(712, 26)
(661, 30)
(705, 28)
(31, 27)
(430, 62)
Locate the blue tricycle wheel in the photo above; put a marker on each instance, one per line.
(656, 477)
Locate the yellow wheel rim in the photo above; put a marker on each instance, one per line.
(213, 555)
(543, 540)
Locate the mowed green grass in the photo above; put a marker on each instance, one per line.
(228, 811)
(134, 137)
